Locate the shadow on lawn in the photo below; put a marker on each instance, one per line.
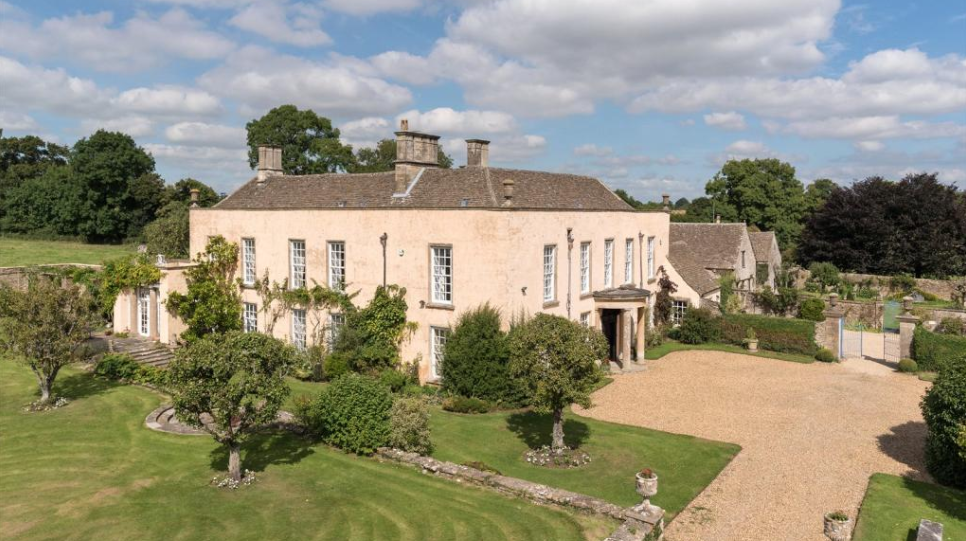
(81, 385)
(534, 429)
(949, 501)
(906, 443)
(263, 450)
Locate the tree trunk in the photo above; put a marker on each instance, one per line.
(558, 433)
(234, 461)
(44, 390)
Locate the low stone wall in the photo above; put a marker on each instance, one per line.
(944, 289)
(17, 276)
(640, 523)
(938, 314)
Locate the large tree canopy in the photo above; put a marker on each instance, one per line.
(381, 158)
(25, 158)
(310, 144)
(916, 226)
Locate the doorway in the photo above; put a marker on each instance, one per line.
(609, 319)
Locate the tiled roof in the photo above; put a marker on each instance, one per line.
(713, 246)
(695, 274)
(761, 243)
(472, 187)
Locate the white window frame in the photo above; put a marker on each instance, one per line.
(299, 328)
(678, 309)
(297, 263)
(336, 264)
(609, 263)
(549, 273)
(585, 319)
(437, 341)
(585, 267)
(249, 274)
(144, 312)
(650, 258)
(250, 317)
(336, 321)
(628, 261)
(441, 274)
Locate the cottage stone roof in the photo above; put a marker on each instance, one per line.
(694, 273)
(762, 243)
(713, 246)
(470, 187)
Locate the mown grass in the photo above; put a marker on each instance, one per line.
(657, 352)
(685, 464)
(894, 505)
(92, 470)
(21, 252)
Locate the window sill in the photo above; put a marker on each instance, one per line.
(438, 306)
(588, 295)
(551, 304)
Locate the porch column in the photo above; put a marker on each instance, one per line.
(626, 336)
(599, 322)
(132, 323)
(641, 330)
(153, 313)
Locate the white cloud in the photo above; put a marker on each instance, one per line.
(168, 100)
(133, 125)
(873, 127)
(203, 134)
(219, 4)
(444, 120)
(140, 43)
(405, 67)
(222, 167)
(730, 121)
(366, 131)
(371, 7)
(517, 148)
(260, 79)
(591, 149)
(13, 121)
(748, 148)
(869, 146)
(271, 19)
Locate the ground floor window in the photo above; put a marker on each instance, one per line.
(250, 317)
(585, 319)
(678, 309)
(298, 328)
(144, 312)
(336, 321)
(437, 347)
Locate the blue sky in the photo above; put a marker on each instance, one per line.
(650, 96)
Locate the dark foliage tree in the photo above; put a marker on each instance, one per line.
(381, 158)
(310, 144)
(701, 210)
(682, 203)
(181, 192)
(22, 159)
(818, 192)
(51, 204)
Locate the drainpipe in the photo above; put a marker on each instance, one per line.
(641, 257)
(570, 251)
(383, 240)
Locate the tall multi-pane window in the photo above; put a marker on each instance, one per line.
(248, 261)
(549, 273)
(441, 260)
(585, 267)
(250, 317)
(297, 263)
(336, 321)
(585, 319)
(628, 261)
(144, 312)
(336, 265)
(609, 263)
(650, 257)
(437, 347)
(678, 309)
(298, 328)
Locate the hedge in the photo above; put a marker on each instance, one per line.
(931, 350)
(774, 333)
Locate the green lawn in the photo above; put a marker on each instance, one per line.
(93, 471)
(20, 252)
(685, 464)
(894, 505)
(667, 347)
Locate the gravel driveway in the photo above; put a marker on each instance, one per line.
(810, 434)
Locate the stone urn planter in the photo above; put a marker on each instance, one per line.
(752, 345)
(751, 340)
(838, 526)
(646, 487)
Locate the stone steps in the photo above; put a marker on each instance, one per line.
(143, 351)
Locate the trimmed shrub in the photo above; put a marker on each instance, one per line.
(409, 426)
(395, 379)
(463, 404)
(774, 333)
(698, 326)
(826, 356)
(811, 309)
(952, 325)
(352, 413)
(117, 366)
(931, 350)
(476, 359)
(335, 365)
(908, 366)
(944, 409)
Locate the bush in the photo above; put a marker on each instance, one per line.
(117, 366)
(812, 309)
(698, 326)
(409, 426)
(932, 350)
(352, 413)
(335, 366)
(824, 274)
(825, 355)
(463, 404)
(902, 284)
(908, 366)
(774, 333)
(944, 409)
(952, 325)
(395, 379)
(476, 359)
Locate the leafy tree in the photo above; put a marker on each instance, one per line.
(763, 193)
(381, 158)
(310, 144)
(476, 361)
(662, 301)
(682, 203)
(818, 192)
(52, 204)
(629, 199)
(45, 327)
(212, 304)
(369, 341)
(25, 158)
(944, 409)
(169, 234)
(181, 192)
(556, 359)
(230, 385)
(701, 210)
(119, 195)
(825, 274)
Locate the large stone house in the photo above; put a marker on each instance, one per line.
(523, 241)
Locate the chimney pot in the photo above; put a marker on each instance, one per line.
(477, 153)
(414, 151)
(269, 162)
(194, 197)
(404, 125)
(666, 200)
(508, 192)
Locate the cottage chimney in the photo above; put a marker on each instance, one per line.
(269, 162)
(717, 218)
(666, 201)
(477, 153)
(414, 152)
(508, 192)
(194, 197)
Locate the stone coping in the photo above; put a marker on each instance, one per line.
(640, 523)
(163, 419)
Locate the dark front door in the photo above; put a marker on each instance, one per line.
(608, 323)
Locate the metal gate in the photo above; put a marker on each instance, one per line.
(890, 346)
(851, 341)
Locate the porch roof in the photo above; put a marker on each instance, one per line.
(622, 293)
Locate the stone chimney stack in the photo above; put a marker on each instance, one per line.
(269, 162)
(508, 192)
(666, 201)
(414, 152)
(477, 153)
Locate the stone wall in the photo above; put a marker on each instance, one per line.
(938, 314)
(17, 276)
(867, 313)
(943, 289)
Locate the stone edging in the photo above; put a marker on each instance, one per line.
(640, 523)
